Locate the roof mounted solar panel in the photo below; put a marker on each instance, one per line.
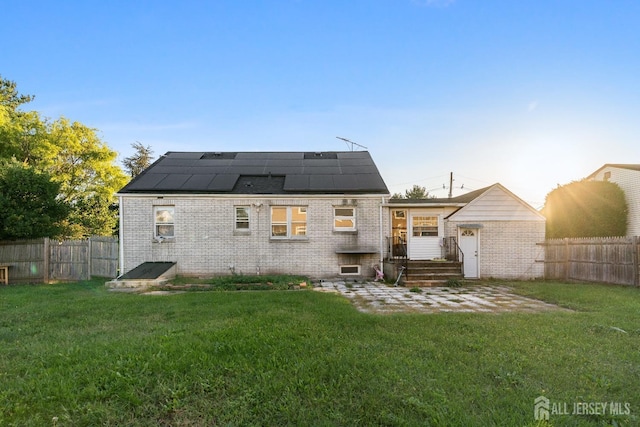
(296, 183)
(320, 155)
(218, 155)
(193, 155)
(321, 182)
(223, 182)
(297, 172)
(146, 182)
(172, 181)
(197, 182)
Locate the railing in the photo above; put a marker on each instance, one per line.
(398, 251)
(453, 252)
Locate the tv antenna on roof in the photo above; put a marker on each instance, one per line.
(348, 141)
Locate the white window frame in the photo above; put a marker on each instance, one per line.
(350, 266)
(425, 226)
(241, 220)
(337, 218)
(171, 223)
(290, 223)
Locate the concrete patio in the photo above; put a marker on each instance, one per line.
(374, 297)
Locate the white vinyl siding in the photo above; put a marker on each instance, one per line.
(629, 181)
(497, 204)
(425, 232)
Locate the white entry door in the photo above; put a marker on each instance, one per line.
(469, 247)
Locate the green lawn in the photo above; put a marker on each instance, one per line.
(76, 354)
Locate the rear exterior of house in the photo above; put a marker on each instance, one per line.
(316, 214)
(319, 214)
(627, 176)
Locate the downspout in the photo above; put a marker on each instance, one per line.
(381, 236)
(120, 236)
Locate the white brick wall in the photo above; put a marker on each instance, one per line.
(508, 249)
(205, 243)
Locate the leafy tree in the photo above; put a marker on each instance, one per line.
(415, 192)
(72, 154)
(586, 209)
(139, 161)
(88, 175)
(29, 203)
(9, 96)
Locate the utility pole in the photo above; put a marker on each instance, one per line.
(451, 185)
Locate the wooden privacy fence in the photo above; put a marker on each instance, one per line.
(606, 260)
(46, 260)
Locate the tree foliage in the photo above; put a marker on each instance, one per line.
(586, 209)
(72, 154)
(139, 161)
(29, 203)
(415, 192)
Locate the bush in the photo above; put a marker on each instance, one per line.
(586, 209)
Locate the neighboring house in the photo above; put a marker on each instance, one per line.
(318, 214)
(627, 176)
(498, 234)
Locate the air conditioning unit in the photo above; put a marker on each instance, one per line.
(349, 270)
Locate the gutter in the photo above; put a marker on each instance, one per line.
(381, 235)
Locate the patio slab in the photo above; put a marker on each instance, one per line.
(374, 297)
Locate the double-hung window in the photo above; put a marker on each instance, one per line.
(164, 225)
(288, 222)
(242, 218)
(344, 219)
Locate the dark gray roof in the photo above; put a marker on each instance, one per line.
(261, 173)
(464, 198)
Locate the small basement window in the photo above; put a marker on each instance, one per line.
(349, 270)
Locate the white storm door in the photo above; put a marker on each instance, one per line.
(469, 247)
(424, 236)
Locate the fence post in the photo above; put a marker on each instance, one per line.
(566, 259)
(89, 255)
(46, 261)
(635, 261)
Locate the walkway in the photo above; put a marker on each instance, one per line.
(380, 298)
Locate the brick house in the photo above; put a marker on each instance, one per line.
(318, 214)
(627, 176)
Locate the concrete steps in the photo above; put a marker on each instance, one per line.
(432, 273)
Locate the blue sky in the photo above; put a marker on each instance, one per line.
(530, 94)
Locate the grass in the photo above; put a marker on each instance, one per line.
(78, 355)
(238, 282)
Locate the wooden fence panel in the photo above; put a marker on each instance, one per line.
(66, 260)
(104, 257)
(25, 259)
(69, 260)
(607, 260)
